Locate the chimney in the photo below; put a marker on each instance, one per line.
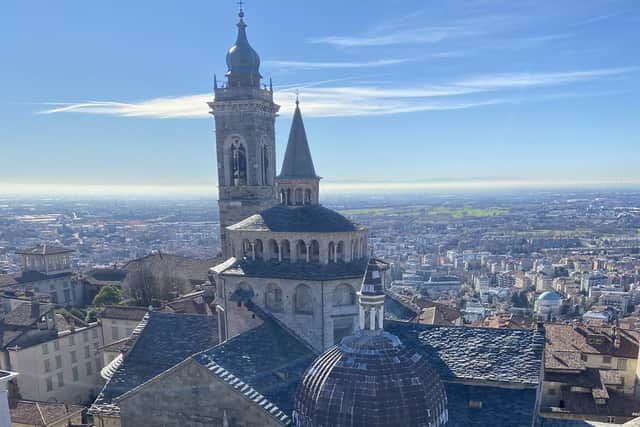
(35, 308)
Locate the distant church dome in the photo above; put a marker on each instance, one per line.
(242, 59)
(370, 379)
(549, 296)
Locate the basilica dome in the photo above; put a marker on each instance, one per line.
(370, 380)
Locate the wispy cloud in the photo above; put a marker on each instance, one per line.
(411, 36)
(306, 65)
(353, 100)
(520, 80)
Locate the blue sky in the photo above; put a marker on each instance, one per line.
(112, 93)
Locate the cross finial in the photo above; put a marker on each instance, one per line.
(241, 13)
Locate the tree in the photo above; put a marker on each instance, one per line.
(108, 295)
(147, 283)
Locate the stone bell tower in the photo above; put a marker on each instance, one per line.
(245, 137)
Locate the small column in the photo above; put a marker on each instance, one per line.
(372, 318)
(308, 250)
(253, 251)
(381, 318)
(279, 251)
(361, 318)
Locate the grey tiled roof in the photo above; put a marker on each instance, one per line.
(500, 407)
(27, 277)
(297, 162)
(476, 354)
(302, 219)
(165, 341)
(264, 363)
(301, 270)
(45, 250)
(394, 310)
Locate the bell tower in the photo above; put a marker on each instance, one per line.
(245, 115)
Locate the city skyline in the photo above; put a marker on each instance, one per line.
(469, 94)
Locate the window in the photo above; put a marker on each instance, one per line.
(583, 357)
(622, 363)
(49, 382)
(56, 345)
(58, 362)
(115, 336)
(344, 295)
(475, 404)
(89, 368)
(72, 340)
(76, 375)
(238, 164)
(606, 359)
(60, 379)
(264, 161)
(87, 352)
(273, 297)
(303, 300)
(74, 357)
(47, 365)
(45, 348)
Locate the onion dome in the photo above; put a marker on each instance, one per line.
(370, 379)
(243, 62)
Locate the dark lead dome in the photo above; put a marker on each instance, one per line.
(370, 381)
(242, 59)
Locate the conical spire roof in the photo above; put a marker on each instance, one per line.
(297, 158)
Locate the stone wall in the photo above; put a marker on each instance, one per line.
(188, 395)
(315, 326)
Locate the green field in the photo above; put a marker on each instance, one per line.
(427, 213)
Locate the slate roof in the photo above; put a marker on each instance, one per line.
(22, 316)
(297, 219)
(41, 414)
(501, 407)
(264, 363)
(122, 312)
(166, 340)
(301, 271)
(297, 162)
(395, 310)
(45, 250)
(476, 354)
(27, 277)
(195, 270)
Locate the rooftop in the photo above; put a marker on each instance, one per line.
(297, 219)
(41, 414)
(301, 271)
(45, 250)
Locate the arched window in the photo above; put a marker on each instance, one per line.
(285, 247)
(344, 295)
(301, 251)
(258, 249)
(314, 251)
(264, 163)
(246, 249)
(238, 163)
(289, 200)
(332, 252)
(299, 196)
(274, 252)
(303, 301)
(283, 197)
(340, 252)
(307, 197)
(273, 297)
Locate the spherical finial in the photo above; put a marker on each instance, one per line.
(241, 12)
(297, 97)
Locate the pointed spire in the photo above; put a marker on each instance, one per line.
(297, 162)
